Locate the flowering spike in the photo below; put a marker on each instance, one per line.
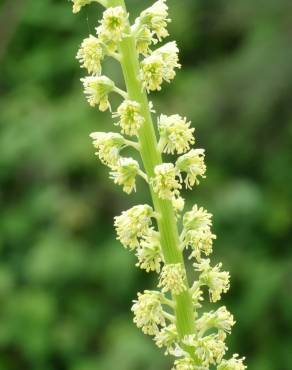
(197, 341)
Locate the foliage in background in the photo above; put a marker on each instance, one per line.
(58, 263)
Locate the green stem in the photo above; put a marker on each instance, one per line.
(151, 157)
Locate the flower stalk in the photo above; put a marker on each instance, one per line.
(152, 233)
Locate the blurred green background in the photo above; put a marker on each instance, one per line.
(66, 285)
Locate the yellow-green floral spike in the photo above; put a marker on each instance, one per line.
(173, 315)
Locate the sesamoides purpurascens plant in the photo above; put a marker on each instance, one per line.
(172, 315)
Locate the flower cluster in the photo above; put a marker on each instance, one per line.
(108, 145)
(160, 66)
(129, 113)
(173, 278)
(148, 311)
(165, 183)
(78, 4)
(91, 55)
(149, 253)
(133, 225)
(197, 232)
(192, 163)
(151, 26)
(217, 281)
(175, 134)
(97, 88)
(234, 363)
(112, 26)
(220, 319)
(173, 314)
